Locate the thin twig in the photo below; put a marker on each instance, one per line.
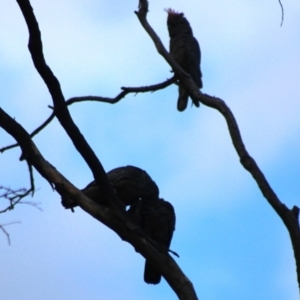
(125, 91)
(33, 204)
(14, 197)
(32, 187)
(120, 96)
(5, 232)
(35, 132)
(282, 12)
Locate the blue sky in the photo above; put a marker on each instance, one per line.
(231, 243)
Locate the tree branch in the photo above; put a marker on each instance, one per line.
(5, 232)
(35, 132)
(119, 97)
(60, 108)
(111, 216)
(282, 12)
(289, 218)
(125, 91)
(14, 197)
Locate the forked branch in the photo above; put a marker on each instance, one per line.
(119, 97)
(288, 216)
(5, 231)
(111, 216)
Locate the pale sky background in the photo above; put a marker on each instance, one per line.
(232, 245)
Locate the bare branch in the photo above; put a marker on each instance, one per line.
(111, 216)
(32, 187)
(215, 103)
(126, 91)
(35, 132)
(282, 12)
(119, 97)
(15, 197)
(287, 216)
(5, 232)
(33, 204)
(60, 108)
(142, 16)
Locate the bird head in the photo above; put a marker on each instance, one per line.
(177, 23)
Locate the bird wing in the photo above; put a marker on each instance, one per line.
(193, 59)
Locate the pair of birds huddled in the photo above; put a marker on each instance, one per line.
(135, 188)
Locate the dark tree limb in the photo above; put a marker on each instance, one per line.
(119, 97)
(288, 216)
(111, 216)
(60, 108)
(35, 132)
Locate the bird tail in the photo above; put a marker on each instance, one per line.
(150, 274)
(182, 99)
(68, 202)
(195, 101)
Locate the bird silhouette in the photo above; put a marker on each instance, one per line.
(129, 183)
(157, 218)
(185, 50)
